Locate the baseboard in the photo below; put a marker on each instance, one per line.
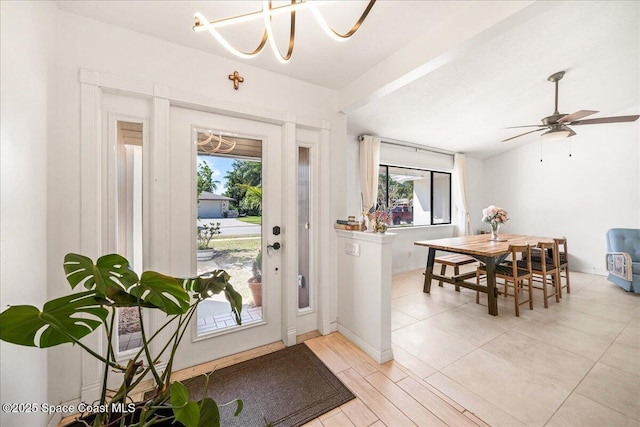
(407, 269)
(380, 356)
(597, 272)
(65, 418)
(325, 327)
(91, 393)
(291, 337)
(329, 327)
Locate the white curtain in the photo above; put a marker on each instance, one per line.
(462, 220)
(369, 167)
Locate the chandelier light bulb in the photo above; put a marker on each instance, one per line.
(266, 14)
(201, 21)
(266, 10)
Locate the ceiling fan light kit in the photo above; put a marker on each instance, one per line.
(557, 124)
(558, 132)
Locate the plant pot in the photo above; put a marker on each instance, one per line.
(256, 292)
(205, 254)
(131, 418)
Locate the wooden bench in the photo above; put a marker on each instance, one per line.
(455, 261)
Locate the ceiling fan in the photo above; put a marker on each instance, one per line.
(557, 124)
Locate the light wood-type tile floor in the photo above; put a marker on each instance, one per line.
(386, 395)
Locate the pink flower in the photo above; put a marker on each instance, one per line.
(494, 215)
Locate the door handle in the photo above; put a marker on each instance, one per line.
(275, 246)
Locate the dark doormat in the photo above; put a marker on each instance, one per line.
(289, 387)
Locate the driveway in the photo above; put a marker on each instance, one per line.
(232, 227)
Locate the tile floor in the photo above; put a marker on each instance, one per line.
(226, 320)
(576, 363)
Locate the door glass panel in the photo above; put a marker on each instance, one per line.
(129, 221)
(304, 177)
(229, 225)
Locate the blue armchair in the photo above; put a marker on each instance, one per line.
(623, 258)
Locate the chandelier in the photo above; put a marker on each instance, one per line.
(266, 14)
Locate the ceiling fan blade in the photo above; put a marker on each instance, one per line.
(577, 115)
(617, 119)
(525, 126)
(523, 134)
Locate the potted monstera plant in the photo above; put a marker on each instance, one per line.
(108, 284)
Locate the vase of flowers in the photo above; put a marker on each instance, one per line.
(379, 220)
(495, 216)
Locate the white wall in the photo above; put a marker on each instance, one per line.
(364, 289)
(579, 197)
(405, 255)
(28, 124)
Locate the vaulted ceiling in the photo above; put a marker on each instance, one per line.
(449, 75)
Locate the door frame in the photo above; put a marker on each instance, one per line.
(94, 207)
(307, 320)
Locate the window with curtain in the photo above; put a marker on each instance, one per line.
(414, 196)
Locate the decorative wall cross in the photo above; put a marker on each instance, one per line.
(236, 79)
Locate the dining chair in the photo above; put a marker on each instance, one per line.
(563, 259)
(563, 253)
(515, 273)
(544, 268)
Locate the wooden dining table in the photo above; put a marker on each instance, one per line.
(482, 248)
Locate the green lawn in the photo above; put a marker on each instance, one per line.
(251, 219)
(236, 245)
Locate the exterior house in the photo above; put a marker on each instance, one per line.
(66, 77)
(212, 205)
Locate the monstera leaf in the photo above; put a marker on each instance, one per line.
(59, 320)
(162, 292)
(110, 275)
(213, 283)
(235, 299)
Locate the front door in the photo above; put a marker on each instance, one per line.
(225, 198)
